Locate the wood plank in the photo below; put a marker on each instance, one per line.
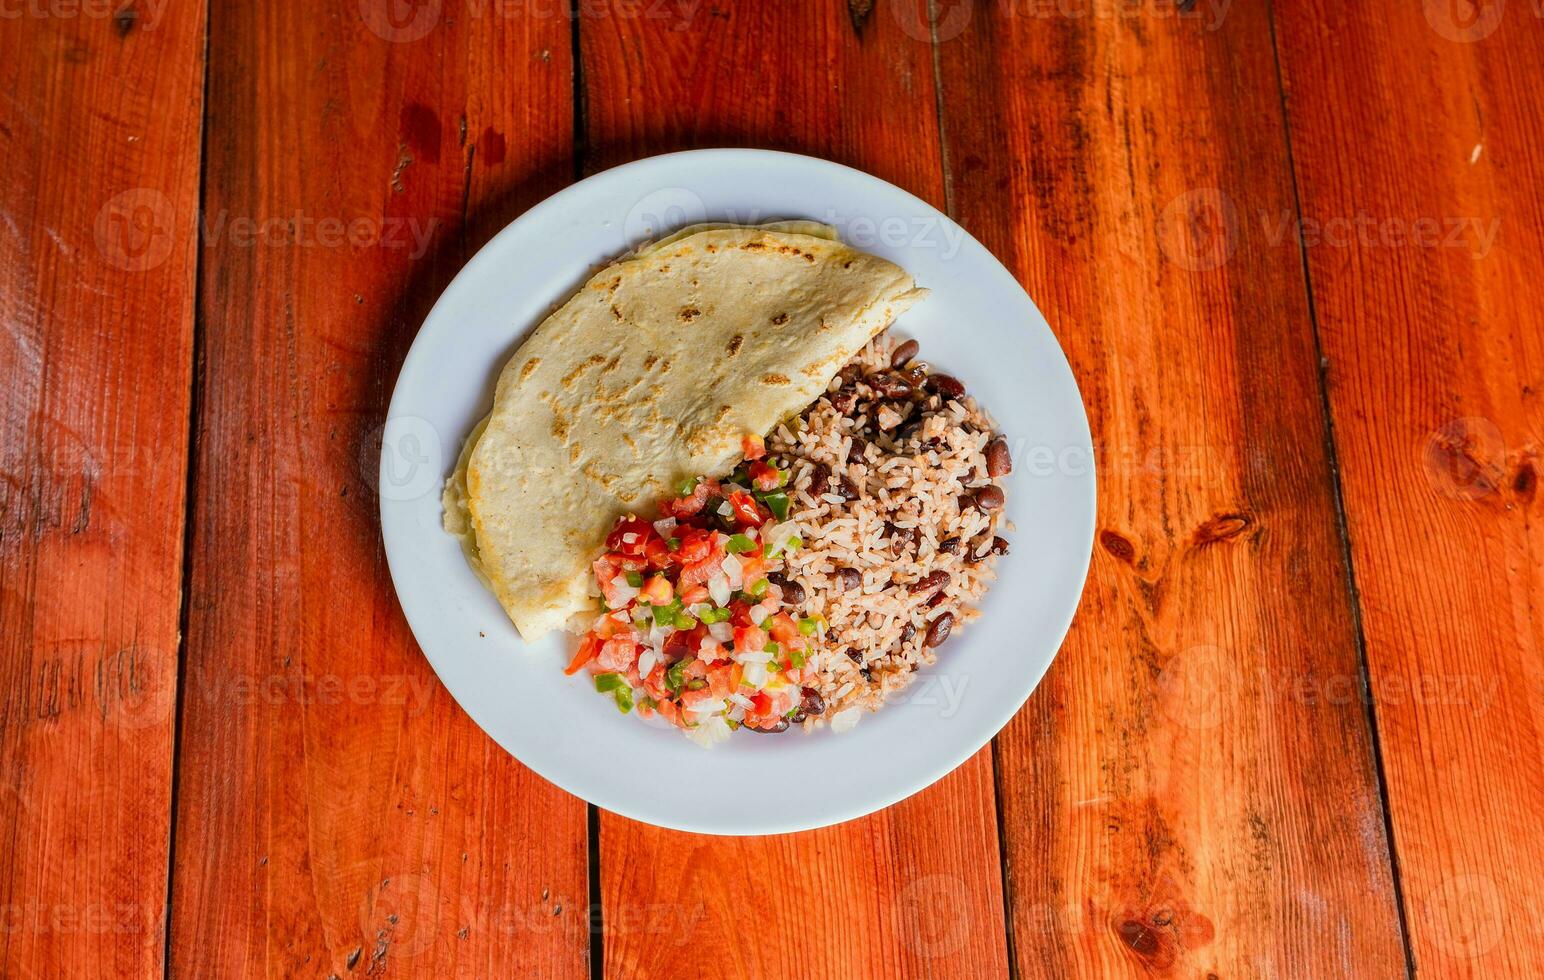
(99, 124)
(1425, 244)
(916, 889)
(1192, 790)
(338, 814)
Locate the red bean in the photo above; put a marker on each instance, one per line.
(989, 498)
(949, 387)
(939, 631)
(813, 703)
(932, 583)
(904, 353)
(998, 462)
(820, 479)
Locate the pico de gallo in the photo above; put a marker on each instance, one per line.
(698, 624)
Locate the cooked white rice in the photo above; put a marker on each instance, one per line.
(877, 633)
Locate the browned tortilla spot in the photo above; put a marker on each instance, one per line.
(734, 344)
(780, 319)
(754, 246)
(688, 314)
(616, 312)
(560, 428)
(650, 361)
(593, 472)
(774, 379)
(528, 367)
(580, 368)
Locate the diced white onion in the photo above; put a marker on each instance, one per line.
(722, 632)
(755, 675)
(753, 656)
(758, 614)
(623, 592)
(733, 571)
(646, 662)
(718, 589)
(665, 526)
(724, 510)
(710, 732)
(740, 700)
(707, 706)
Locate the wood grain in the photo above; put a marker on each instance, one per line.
(338, 814)
(1425, 240)
(916, 889)
(99, 123)
(1192, 790)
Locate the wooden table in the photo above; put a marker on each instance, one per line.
(1293, 251)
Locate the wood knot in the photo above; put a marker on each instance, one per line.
(1139, 938)
(1526, 482)
(1223, 527)
(859, 11)
(1118, 546)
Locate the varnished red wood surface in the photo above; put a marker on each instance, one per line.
(1180, 796)
(915, 889)
(337, 813)
(1428, 303)
(1290, 251)
(99, 124)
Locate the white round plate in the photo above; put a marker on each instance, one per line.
(977, 324)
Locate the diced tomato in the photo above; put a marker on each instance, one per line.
(613, 623)
(761, 703)
(749, 638)
(699, 571)
(617, 653)
(719, 681)
(740, 613)
(682, 643)
(695, 546)
(693, 502)
(630, 536)
(752, 567)
(765, 475)
(786, 632)
(658, 553)
(657, 591)
(747, 511)
(712, 652)
(693, 595)
(667, 710)
(587, 650)
(754, 446)
(608, 575)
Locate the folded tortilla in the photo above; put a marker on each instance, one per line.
(651, 374)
